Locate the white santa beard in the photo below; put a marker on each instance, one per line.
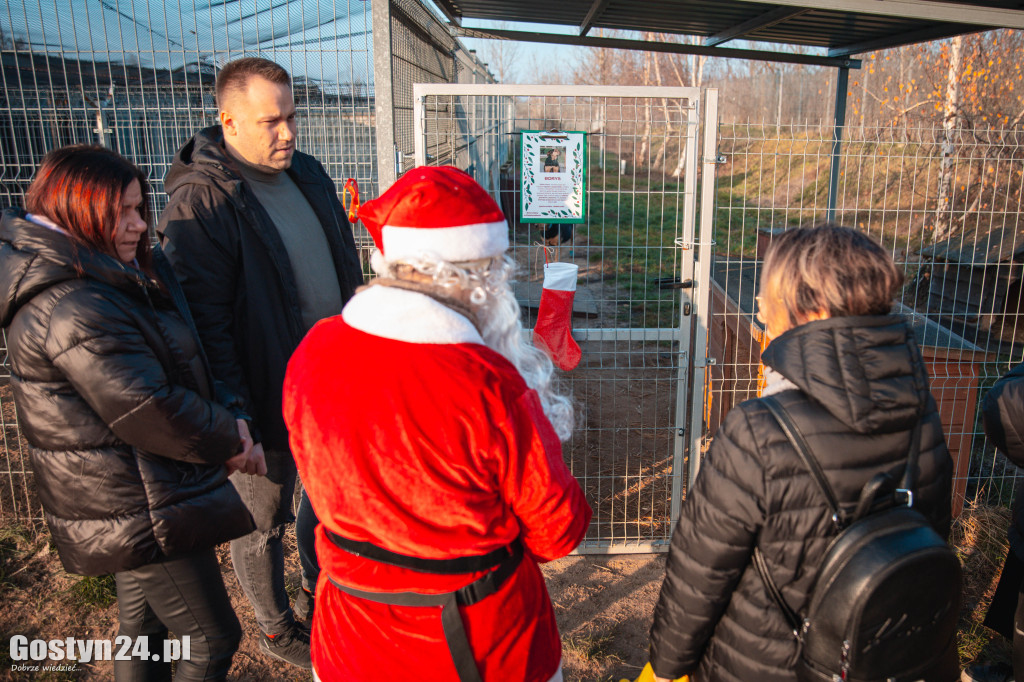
(502, 330)
(500, 324)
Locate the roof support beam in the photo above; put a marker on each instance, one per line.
(595, 12)
(906, 38)
(839, 123)
(645, 46)
(451, 13)
(922, 10)
(775, 16)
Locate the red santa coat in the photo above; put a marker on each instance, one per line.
(410, 434)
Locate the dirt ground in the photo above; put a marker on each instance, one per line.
(603, 604)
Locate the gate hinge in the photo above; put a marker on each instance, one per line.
(708, 362)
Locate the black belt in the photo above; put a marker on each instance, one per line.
(504, 561)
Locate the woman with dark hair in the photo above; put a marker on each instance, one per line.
(131, 440)
(852, 378)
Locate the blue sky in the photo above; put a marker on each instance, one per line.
(545, 54)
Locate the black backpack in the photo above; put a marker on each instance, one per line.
(885, 604)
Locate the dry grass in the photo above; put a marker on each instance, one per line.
(604, 605)
(42, 601)
(979, 537)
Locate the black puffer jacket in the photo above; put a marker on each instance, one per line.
(235, 270)
(1003, 414)
(113, 395)
(862, 387)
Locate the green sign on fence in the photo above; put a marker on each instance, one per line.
(554, 176)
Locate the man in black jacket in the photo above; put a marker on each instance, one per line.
(1003, 415)
(263, 250)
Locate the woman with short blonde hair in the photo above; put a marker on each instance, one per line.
(851, 376)
(829, 269)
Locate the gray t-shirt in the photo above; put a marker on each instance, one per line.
(304, 240)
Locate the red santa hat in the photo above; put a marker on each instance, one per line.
(439, 210)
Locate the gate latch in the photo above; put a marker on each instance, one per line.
(673, 283)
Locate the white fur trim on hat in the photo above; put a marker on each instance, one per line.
(453, 244)
(407, 316)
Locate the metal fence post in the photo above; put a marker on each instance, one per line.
(702, 293)
(383, 94)
(842, 83)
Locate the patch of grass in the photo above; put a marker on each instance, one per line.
(979, 537)
(593, 646)
(98, 591)
(972, 640)
(15, 541)
(980, 531)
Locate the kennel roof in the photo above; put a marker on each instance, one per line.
(311, 38)
(979, 247)
(738, 278)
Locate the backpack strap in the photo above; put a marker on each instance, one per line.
(909, 481)
(796, 439)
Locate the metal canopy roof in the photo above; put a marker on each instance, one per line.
(844, 27)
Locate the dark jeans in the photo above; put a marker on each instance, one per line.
(258, 557)
(1006, 613)
(305, 525)
(187, 596)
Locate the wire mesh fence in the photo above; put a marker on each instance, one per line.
(139, 78)
(946, 204)
(424, 51)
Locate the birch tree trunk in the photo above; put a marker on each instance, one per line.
(659, 158)
(696, 78)
(645, 138)
(951, 106)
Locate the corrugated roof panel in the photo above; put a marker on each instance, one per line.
(815, 27)
(832, 29)
(565, 12)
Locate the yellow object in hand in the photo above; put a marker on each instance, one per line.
(647, 675)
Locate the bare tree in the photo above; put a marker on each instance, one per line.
(503, 57)
(950, 110)
(645, 137)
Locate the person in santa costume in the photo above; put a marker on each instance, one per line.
(428, 434)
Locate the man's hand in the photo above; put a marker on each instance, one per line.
(258, 460)
(243, 433)
(250, 459)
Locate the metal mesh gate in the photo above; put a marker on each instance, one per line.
(631, 318)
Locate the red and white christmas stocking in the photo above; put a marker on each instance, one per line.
(554, 318)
